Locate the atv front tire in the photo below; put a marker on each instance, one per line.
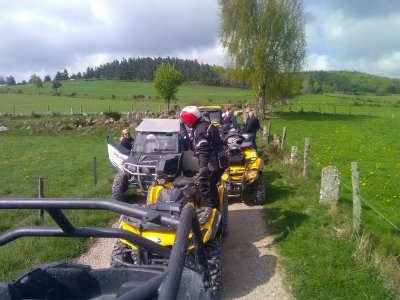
(260, 191)
(120, 187)
(213, 251)
(120, 255)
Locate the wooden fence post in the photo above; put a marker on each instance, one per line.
(14, 110)
(94, 170)
(268, 131)
(283, 138)
(41, 195)
(356, 197)
(306, 156)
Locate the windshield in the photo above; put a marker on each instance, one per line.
(146, 142)
(214, 116)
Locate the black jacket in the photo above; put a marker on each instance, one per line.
(127, 143)
(208, 146)
(252, 125)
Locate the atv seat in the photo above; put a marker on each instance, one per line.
(188, 168)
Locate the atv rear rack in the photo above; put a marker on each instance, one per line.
(166, 284)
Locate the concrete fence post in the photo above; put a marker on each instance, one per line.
(41, 195)
(265, 136)
(283, 138)
(94, 170)
(330, 184)
(306, 156)
(356, 197)
(294, 155)
(276, 141)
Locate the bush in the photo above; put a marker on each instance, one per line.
(113, 114)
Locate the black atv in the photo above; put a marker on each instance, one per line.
(154, 139)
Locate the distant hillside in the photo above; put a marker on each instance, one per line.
(349, 82)
(141, 69)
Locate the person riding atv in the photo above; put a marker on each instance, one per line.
(243, 178)
(173, 188)
(154, 138)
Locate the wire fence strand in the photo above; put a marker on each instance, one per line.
(391, 223)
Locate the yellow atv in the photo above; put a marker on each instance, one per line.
(172, 190)
(243, 178)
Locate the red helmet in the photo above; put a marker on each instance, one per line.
(228, 107)
(190, 114)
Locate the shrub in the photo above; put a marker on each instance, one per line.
(113, 114)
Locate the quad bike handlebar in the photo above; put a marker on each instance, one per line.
(170, 279)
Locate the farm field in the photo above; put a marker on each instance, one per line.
(113, 95)
(367, 134)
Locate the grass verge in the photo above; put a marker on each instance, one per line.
(322, 258)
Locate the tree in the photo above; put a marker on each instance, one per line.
(265, 40)
(10, 80)
(166, 81)
(47, 78)
(36, 81)
(2, 81)
(55, 85)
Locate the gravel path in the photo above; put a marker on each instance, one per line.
(250, 264)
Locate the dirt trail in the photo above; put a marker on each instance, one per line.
(250, 264)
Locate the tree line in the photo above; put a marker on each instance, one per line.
(309, 82)
(144, 68)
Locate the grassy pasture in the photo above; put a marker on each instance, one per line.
(65, 160)
(116, 95)
(322, 257)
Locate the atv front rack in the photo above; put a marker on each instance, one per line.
(164, 285)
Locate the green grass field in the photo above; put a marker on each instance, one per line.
(319, 252)
(98, 96)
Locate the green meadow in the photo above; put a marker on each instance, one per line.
(321, 257)
(98, 96)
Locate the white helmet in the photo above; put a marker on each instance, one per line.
(190, 115)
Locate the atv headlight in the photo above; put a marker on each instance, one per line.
(130, 168)
(252, 174)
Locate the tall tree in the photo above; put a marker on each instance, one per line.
(10, 80)
(55, 85)
(166, 81)
(37, 81)
(265, 40)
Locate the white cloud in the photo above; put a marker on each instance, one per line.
(46, 36)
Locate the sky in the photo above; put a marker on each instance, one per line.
(45, 36)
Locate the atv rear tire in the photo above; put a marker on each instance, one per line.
(259, 198)
(224, 220)
(120, 256)
(213, 250)
(120, 187)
